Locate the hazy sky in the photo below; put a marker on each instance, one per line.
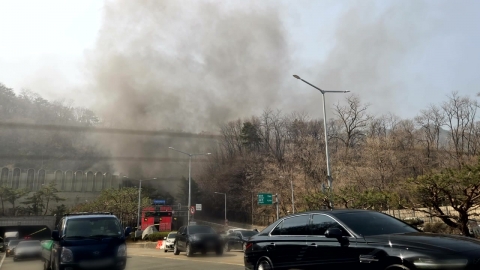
(397, 55)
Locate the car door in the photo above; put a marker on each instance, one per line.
(288, 242)
(237, 240)
(330, 253)
(181, 238)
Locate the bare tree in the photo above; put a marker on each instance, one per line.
(354, 119)
(460, 113)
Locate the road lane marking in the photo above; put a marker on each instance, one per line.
(190, 260)
(1, 262)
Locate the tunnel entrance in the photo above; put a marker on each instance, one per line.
(35, 232)
(38, 227)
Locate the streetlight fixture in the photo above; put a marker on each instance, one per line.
(139, 198)
(329, 176)
(189, 177)
(225, 205)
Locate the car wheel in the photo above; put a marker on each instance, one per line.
(14, 259)
(219, 252)
(175, 249)
(45, 265)
(165, 250)
(188, 250)
(264, 264)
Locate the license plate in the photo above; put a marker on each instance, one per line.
(96, 263)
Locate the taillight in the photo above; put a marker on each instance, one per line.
(248, 246)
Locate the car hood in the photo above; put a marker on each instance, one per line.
(91, 248)
(452, 243)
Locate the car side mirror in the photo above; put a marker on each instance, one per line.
(333, 233)
(55, 235)
(128, 230)
(183, 233)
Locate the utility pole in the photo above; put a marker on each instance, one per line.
(293, 201)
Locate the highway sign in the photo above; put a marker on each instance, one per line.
(192, 210)
(158, 201)
(265, 198)
(198, 207)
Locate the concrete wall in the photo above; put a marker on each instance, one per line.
(67, 181)
(74, 186)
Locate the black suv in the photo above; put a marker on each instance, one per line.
(197, 238)
(88, 240)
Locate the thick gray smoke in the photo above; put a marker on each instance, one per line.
(183, 65)
(192, 65)
(187, 65)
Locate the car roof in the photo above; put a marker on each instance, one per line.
(90, 216)
(334, 212)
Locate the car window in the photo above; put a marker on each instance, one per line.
(13, 242)
(292, 226)
(171, 235)
(200, 229)
(321, 223)
(92, 226)
(28, 244)
(374, 223)
(248, 233)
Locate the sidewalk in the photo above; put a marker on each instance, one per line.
(148, 245)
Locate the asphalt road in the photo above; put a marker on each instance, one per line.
(150, 259)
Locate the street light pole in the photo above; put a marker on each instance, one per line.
(140, 199)
(293, 201)
(189, 178)
(225, 205)
(329, 176)
(139, 203)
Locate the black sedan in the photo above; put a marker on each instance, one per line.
(238, 239)
(197, 238)
(356, 239)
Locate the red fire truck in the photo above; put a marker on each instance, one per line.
(159, 215)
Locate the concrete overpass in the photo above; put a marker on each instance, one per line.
(39, 227)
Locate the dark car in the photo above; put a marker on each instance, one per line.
(88, 240)
(3, 245)
(197, 238)
(10, 251)
(238, 239)
(356, 239)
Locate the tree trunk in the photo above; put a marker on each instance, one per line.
(463, 223)
(46, 207)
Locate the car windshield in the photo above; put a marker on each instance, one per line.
(13, 243)
(28, 244)
(374, 223)
(91, 227)
(248, 233)
(172, 235)
(200, 229)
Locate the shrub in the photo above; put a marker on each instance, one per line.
(416, 222)
(154, 237)
(439, 227)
